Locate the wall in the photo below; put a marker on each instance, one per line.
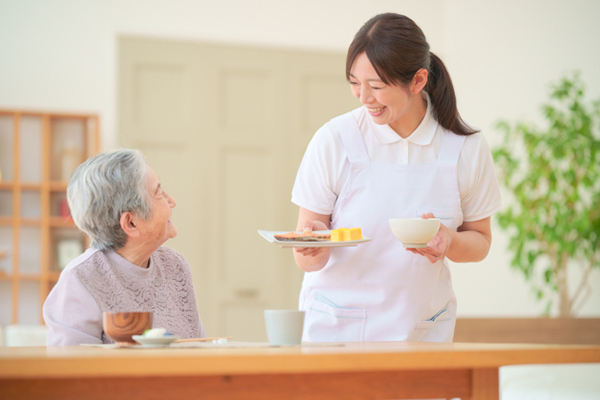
(501, 56)
(61, 55)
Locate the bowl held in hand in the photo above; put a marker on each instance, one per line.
(414, 232)
(121, 326)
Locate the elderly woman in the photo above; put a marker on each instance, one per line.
(119, 202)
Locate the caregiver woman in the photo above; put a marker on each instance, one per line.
(405, 153)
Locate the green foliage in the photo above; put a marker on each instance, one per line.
(553, 175)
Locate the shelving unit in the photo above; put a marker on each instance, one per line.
(38, 152)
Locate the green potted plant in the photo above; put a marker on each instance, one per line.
(553, 211)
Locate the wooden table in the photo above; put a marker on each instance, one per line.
(377, 370)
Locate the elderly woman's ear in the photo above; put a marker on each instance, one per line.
(129, 224)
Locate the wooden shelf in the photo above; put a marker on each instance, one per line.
(47, 114)
(54, 186)
(62, 222)
(55, 222)
(58, 186)
(29, 277)
(31, 186)
(53, 276)
(47, 138)
(31, 221)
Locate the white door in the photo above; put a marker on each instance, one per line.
(225, 129)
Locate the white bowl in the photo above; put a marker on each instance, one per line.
(414, 232)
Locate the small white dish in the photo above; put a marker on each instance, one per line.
(155, 342)
(414, 232)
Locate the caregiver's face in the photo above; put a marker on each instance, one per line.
(386, 104)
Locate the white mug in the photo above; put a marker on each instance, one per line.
(284, 327)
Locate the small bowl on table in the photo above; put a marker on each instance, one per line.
(122, 326)
(414, 232)
(156, 337)
(164, 341)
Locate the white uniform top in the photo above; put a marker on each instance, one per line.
(325, 166)
(378, 291)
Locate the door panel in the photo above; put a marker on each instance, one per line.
(244, 185)
(160, 87)
(225, 128)
(242, 93)
(317, 87)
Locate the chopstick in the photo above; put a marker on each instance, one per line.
(206, 339)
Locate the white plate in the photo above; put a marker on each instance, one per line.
(155, 342)
(268, 235)
(414, 245)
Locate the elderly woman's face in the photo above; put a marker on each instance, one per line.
(159, 228)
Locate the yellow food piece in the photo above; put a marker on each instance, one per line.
(337, 235)
(345, 234)
(355, 234)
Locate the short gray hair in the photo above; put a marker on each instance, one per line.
(104, 187)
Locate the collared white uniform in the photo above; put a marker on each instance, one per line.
(378, 290)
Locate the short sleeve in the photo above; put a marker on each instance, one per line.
(322, 172)
(71, 313)
(480, 191)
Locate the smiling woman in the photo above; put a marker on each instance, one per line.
(405, 154)
(155, 230)
(119, 202)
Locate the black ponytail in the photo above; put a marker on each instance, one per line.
(441, 92)
(397, 49)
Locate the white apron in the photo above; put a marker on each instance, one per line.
(378, 291)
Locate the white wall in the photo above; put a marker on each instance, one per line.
(501, 55)
(61, 55)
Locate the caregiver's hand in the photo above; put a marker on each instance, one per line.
(438, 246)
(312, 251)
(310, 259)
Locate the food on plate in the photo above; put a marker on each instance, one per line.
(345, 234)
(307, 236)
(337, 235)
(156, 333)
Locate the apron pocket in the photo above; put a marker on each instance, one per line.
(328, 322)
(438, 328)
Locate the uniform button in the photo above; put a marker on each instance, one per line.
(404, 142)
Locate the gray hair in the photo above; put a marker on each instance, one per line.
(104, 187)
